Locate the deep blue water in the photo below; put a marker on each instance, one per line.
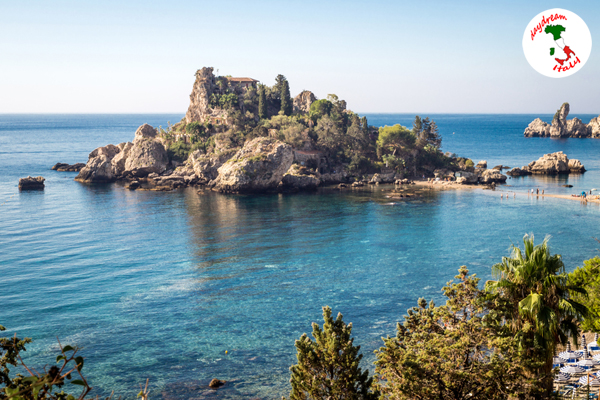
(158, 285)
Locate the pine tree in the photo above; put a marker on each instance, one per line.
(286, 101)
(365, 125)
(328, 366)
(262, 103)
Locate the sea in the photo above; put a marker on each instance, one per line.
(181, 287)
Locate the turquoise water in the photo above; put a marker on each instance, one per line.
(158, 285)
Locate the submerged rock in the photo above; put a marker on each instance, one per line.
(62, 167)
(216, 383)
(31, 183)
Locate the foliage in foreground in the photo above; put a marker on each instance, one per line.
(588, 277)
(449, 352)
(41, 385)
(328, 367)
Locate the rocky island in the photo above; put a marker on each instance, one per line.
(561, 128)
(240, 136)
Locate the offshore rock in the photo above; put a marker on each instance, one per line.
(563, 128)
(62, 167)
(594, 128)
(555, 163)
(481, 164)
(537, 128)
(518, 172)
(31, 183)
(300, 178)
(492, 175)
(303, 101)
(257, 167)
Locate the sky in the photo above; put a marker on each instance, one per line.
(380, 56)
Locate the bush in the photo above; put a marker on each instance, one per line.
(179, 151)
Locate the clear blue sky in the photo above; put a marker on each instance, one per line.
(387, 56)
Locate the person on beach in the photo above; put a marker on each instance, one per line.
(538, 191)
(542, 192)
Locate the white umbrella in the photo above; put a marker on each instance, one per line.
(572, 369)
(594, 344)
(562, 377)
(569, 354)
(558, 360)
(586, 362)
(593, 381)
(596, 357)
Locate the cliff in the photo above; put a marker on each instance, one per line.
(563, 128)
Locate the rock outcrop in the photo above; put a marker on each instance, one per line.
(138, 159)
(257, 167)
(492, 175)
(206, 166)
(62, 167)
(563, 128)
(518, 172)
(200, 96)
(300, 178)
(32, 183)
(481, 164)
(303, 101)
(554, 163)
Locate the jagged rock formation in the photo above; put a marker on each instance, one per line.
(204, 85)
(257, 167)
(563, 128)
(481, 164)
(31, 183)
(138, 159)
(303, 101)
(550, 164)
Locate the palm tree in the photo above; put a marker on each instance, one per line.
(534, 288)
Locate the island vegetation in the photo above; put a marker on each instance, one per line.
(495, 341)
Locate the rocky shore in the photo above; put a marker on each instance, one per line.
(563, 128)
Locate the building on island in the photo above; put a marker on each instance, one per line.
(243, 82)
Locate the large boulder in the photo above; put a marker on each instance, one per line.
(537, 128)
(594, 128)
(118, 162)
(300, 178)
(146, 155)
(99, 167)
(575, 166)
(553, 163)
(577, 129)
(303, 101)
(31, 183)
(518, 172)
(481, 164)
(389, 177)
(492, 175)
(206, 166)
(257, 167)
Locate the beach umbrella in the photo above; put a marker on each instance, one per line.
(572, 369)
(594, 344)
(586, 362)
(562, 377)
(589, 380)
(596, 357)
(569, 354)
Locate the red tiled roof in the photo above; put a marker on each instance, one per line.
(242, 80)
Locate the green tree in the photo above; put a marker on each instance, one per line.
(588, 277)
(262, 103)
(395, 139)
(328, 366)
(534, 304)
(365, 125)
(286, 101)
(319, 108)
(449, 352)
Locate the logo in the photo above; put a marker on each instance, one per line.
(557, 43)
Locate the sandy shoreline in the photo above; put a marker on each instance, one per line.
(502, 190)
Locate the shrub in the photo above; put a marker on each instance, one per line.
(179, 151)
